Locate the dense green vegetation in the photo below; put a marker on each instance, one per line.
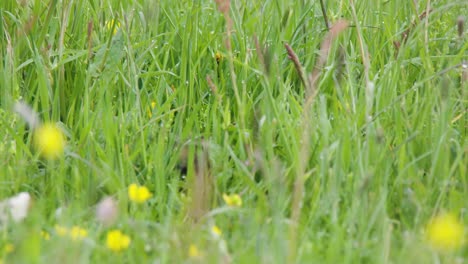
(346, 164)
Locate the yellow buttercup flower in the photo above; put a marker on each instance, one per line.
(9, 248)
(218, 57)
(110, 24)
(117, 241)
(445, 232)
(138, 194)
(150, 110)
(78, 233)
(233, 200)
(49, 141)
(216, 231)
(193, 251)
(45, 235)
(61, 231)
(75, 233)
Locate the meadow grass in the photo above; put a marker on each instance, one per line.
(193, 101)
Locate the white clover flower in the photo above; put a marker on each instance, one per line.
(15, 207)
(106, 211)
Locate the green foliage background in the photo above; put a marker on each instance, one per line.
(372, 182)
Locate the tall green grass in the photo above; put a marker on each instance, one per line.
(382, 156)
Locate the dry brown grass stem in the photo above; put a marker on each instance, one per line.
(223, 7)
(201, 185)
(310, 81)
(460, 26)
(299, 68)
(261, 56)
(324, 13)
(310, 84)
(404, 36)
(213, 88)
(333, 33)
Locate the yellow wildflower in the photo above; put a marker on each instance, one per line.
(193, 251)
(75, 233)
(110, 24)
(8, 248)
(61, 231)
(45, 235)
(78, 233)
(445, 232)
(218, 57)
(138, 194)
(216, 231)
(233, 200)
(49, 141)
(117, 241)
(150, 110)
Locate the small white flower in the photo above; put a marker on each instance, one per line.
(28, 114)
(58, 212)
(19, 206)
(15, 207)
(106, 211)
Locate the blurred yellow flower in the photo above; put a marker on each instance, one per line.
(8, 248)
(78, 233)
(117, 241)
(61, 231)
(218, 57)
(75, 233)
(150, 110)
(193, 251)
(45, 235)
(216, 231)
(138, 194)
(110, 24)
(49, 141)
(445, 232)
(233, 200)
